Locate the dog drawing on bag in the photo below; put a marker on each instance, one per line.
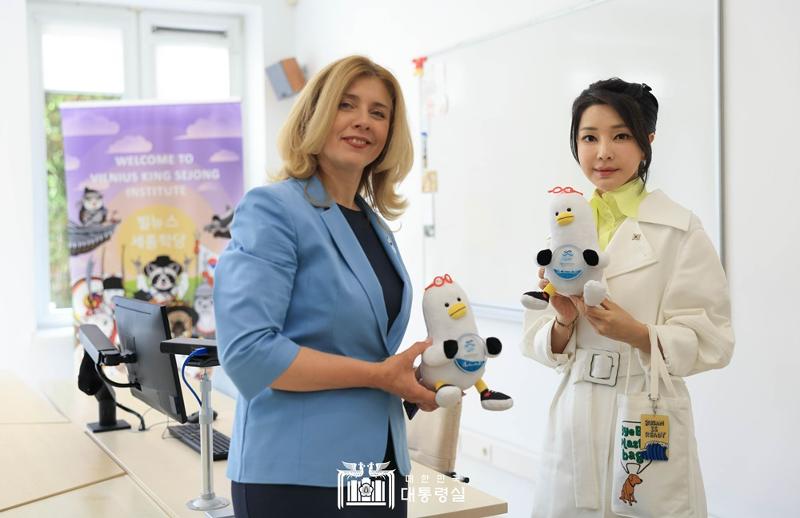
(628, 487)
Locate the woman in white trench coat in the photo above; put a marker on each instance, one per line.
(663, 272)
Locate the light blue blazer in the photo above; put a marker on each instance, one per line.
(295, 274)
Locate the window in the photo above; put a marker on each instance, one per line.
(71, 53)
(93, 53)
(190, 57)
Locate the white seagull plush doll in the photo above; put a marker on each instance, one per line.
(573, 263)
(457, 358)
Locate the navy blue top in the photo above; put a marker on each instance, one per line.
(391, 283)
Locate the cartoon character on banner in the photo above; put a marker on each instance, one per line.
(220, 225)
(94, 228)
(204, 306)
(162, 280)
(88, 303)
(203, 302)
(92, 208)
(573, 263)
(112, 287)
(457, 358)
(165, 281)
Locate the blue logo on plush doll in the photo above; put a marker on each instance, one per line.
(573, 263)
(467, 365)
(566, 265)
(470, 357)
(457, 358)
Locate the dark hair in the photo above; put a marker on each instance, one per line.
(632, 101)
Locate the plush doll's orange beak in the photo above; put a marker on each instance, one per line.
(565, 218)
(457, 311)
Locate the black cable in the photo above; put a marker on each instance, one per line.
(142, 428)
(102, 374)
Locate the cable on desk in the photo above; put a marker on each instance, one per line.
(142, 427)
(164, 434)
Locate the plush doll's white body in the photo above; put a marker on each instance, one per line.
(574, 263)
(457, 358)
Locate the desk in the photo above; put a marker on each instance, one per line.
(169, 472)
(23, 405)
(42, 453)
(119, 497)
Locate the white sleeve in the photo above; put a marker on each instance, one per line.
(694, 325)
(536, 345)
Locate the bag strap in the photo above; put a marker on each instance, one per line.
(658, 369)
(628, 370)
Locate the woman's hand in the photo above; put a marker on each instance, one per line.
(563, 306)
(610, 320)
(396, 374)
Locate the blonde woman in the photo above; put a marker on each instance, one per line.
(312, 301)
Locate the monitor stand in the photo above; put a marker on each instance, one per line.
(215, 506)
(107, 410)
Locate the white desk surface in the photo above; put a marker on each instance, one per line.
(169, 472)
(24, 405)
(119, 497)
(41, 460)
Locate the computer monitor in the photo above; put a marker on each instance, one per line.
(142, 327)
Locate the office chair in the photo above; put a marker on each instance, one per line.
(433, 438)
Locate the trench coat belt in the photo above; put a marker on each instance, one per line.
(591, 370)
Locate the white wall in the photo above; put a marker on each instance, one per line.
(279, 43)
(747, 415)
(17, 314)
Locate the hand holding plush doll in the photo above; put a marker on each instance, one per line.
(457, 358)
(574, 263)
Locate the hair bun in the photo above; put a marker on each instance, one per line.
(646, 88)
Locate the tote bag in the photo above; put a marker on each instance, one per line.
(643, 485)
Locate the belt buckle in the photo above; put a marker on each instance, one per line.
(602, 378)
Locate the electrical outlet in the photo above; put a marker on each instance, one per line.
(429, 230)
(476, 446)
(486, 453)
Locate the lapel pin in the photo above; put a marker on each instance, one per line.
(637, 237)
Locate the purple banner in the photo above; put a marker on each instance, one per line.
(150, 191)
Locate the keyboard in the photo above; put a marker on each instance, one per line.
(189, 434)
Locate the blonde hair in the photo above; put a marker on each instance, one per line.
(303, 135)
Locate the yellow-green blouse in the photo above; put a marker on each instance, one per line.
(612, 207)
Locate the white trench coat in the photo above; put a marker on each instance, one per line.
(664, 271)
